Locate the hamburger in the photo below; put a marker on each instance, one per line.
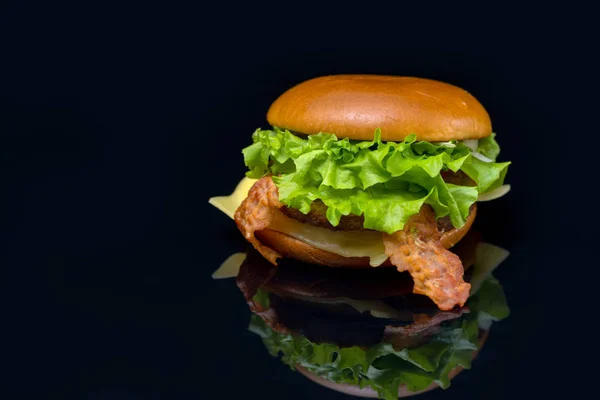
(370, 184)
(362, 171)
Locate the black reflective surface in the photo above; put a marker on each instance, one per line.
(118, 123)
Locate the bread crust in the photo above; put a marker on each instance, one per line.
(353, 106)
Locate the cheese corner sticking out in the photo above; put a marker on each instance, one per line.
(487, 259)
(228, 204)
(230, 267)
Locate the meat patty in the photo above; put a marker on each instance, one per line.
(316, 217)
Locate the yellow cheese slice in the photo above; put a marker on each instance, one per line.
(230, 267)
(228, 204)
(345, 243)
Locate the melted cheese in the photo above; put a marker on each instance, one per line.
(230, 267)
(344, 243)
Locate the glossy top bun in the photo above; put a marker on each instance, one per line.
(353, 106)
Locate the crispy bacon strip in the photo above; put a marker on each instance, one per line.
(255, 272)
(423, 322)
(419, 332)
(437, 273)
(256, 213)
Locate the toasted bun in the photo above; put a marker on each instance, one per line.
(453, 236)
(290, 247)
(293, 248)
(353, 106)
(368, 392)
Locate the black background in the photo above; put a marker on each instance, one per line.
(117, 123)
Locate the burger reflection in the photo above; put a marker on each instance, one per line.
(363, 331)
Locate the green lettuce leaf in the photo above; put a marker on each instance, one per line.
(489, 147)
(384, 368)
(262, 299)
(385, 182)
(490, 302)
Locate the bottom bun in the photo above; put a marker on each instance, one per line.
(354, 390)
(290, 247)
